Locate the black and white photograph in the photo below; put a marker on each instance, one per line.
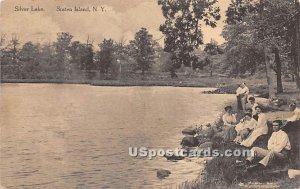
(149, 94)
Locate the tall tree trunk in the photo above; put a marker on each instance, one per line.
(297, 49)
(268, 74)
(266, 54)
(278, 70)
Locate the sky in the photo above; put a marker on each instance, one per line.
(120, 20)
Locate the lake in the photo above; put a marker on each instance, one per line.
(78, 136)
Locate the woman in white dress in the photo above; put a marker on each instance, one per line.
(260, 129)
(229, 121)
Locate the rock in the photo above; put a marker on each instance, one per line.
(174, 157)
(202, 139)
(189, 131)
(189, 141)
(206, 145)
(208, 132)
(162, 173)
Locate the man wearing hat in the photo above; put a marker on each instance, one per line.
(278, 147)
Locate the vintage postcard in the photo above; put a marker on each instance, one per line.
(149, 94)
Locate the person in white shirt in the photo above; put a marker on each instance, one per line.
(260, 129)
(229, 122)
(242, 93)
(244, 127)
(278, 146)
(253, 105)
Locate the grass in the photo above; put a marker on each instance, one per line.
(221, 172)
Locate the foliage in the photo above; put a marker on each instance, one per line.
(105, 57)
(62, 54)
(143, 50)
(182, 27)
(249, 28)
(28, 57)
(211, 49)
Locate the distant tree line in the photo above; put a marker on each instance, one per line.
(66, 59)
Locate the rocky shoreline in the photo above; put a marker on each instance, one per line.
(221, 171)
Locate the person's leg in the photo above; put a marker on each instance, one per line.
(239, 103)
(257, 153)
(244, 133)
(229, 134)
(271, 156)
(244, 101)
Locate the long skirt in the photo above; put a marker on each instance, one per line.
(229, 134)
(239, 103)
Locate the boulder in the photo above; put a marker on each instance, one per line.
(189, 141)
(206, 145)
(162, 173)
(189, 131)
(208, 132)
(201, 139)
(174, 157)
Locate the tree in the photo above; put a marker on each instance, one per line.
(28, 57)
(46, 62)
(261, 25)
(211, 49)
(62, 47)
(10, 59)
(182, 28)
(143, 50)
(296, 43)
(2, 41)
(105, 57)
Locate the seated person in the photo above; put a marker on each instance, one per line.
(244, 127)
(278, 147)
(250, 111)
(252, 105)
(260, 129)
(296, 113)
(229, 121)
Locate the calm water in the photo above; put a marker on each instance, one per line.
(77, 136)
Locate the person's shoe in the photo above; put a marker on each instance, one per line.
(255, 167)
(247, 162)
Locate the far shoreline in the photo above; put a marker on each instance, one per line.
(112, 83)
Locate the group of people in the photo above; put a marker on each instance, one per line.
(254, 124)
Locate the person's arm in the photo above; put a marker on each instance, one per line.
(246, 91)
(251, 124)
(238, 91)
(293, 118)
(282, 141)
(234, 118)
(271, 142)
(262, 120)
(225, 121)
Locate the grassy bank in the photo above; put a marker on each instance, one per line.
(225, 84)
(223, 172)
